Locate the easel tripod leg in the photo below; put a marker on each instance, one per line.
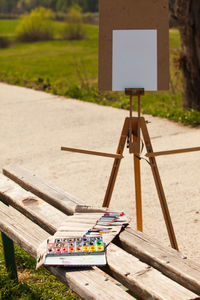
(138, 196)
(159, 187)
(116, 165)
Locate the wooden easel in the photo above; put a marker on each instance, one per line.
(131, 131)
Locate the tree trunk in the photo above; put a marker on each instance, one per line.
(188, 17)
(172, 14)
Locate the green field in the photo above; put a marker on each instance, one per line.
(7, 27)
(69, 68)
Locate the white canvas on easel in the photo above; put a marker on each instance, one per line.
(134, 60)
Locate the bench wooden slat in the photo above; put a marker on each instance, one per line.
(90, 283)
(21, 230)
(44, 189)
(38, 210)
(98, 285)
(167, 260)
(30, 205)
(148, 282)
(116, 262)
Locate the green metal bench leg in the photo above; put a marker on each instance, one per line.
(9, 253)
(9, 256)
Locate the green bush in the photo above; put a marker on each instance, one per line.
(37, 26)
(4, 42)
(74, 30)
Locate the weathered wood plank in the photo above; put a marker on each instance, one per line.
(43, 189)
(119, 261)
(167, 260)
(58, 198)
(96, 285)
(143, 280)
(89, 283)
(30, 205)
(38, 210)
(21, 230)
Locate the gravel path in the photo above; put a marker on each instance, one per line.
(34, 125)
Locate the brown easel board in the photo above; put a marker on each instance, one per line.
(133, 15)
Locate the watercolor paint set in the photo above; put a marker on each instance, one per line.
(81, 240)
(73, 252)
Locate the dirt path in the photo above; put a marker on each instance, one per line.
(34, 125)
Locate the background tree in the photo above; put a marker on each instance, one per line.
(172, 15)
(89, 5)
(61, 5)
(188, 18)
(7, 6)
(22, 6)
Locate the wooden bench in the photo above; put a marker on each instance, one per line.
(32, 208)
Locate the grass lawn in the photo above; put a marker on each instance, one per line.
(69, 68)
(52, 65)
(33, 285)
(7, 27)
